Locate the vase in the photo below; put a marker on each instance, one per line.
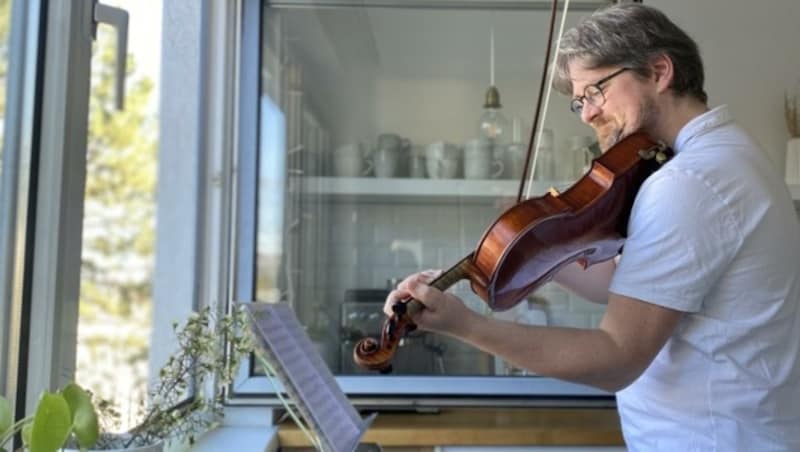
(792, 173)
(158, 447)
(151, 448)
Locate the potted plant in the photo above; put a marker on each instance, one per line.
(60, 417)
(201, 358)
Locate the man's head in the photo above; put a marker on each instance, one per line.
(623, 65)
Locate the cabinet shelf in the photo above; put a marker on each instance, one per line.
(366, 189)
(372, 189)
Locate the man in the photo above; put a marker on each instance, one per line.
(701, 335)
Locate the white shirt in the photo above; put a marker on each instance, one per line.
(714, 233)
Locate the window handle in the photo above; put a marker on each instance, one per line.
(117, 18)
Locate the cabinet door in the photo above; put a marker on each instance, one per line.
(381, 149)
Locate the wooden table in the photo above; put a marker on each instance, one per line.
(485, 427)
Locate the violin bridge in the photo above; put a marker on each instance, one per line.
(553, 192)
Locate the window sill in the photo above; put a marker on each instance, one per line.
(241, 438)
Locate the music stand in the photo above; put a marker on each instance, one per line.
(288, 354)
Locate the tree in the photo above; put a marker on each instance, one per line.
(118, 234)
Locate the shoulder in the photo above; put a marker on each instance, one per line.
(680, 200)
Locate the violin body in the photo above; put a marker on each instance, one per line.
(588, 222)
(531, 241)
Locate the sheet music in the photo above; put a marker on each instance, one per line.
(305, 377)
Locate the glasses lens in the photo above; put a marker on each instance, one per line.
(576, 106)
(594, 95)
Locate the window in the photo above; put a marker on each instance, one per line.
(374, 160)
(19, 44)
(96, 261)
(118, 244)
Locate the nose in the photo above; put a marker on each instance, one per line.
(589, 112)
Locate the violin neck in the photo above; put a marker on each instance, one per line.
(444, 281)
(454, 274)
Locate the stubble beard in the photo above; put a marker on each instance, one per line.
(612, 130)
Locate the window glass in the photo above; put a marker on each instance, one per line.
(384, 151)
(5, 25)
(119, 217)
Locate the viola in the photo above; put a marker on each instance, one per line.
(532, 240)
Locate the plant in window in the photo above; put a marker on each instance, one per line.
(61, 417)
(202, 357)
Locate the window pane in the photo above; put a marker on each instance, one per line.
(383, 153)
(5, 25)
(119, 217)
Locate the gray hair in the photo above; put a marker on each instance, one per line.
(629, 35)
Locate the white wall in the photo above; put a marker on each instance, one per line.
(431, 110)
(752, 55)
(751, 50)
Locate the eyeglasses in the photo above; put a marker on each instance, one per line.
(593, 94)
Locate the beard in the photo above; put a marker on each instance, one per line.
(610, 130)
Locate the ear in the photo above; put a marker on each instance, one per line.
(662, 72)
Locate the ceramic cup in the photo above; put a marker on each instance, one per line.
(515, 160)
(391, 140)
(480, 162)
(386, 162)
(348, 161)
(416, 163)
(443, 160)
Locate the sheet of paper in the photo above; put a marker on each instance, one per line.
(306, 379)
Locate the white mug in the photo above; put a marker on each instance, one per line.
(416, 166)
(515, 154)
(442, 160)
(386, 162)
(348, 161)
(479, 161)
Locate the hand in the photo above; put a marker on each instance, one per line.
(443, 313)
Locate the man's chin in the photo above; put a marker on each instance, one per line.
(608, 140)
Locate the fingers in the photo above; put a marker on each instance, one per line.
(414, 285)
(393, 297)
(424, 277)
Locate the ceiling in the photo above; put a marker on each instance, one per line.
(424, 43)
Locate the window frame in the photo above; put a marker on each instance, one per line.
(39, 323)
(369, 390)
(59, 198)
(17, 184)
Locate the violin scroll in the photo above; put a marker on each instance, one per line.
(371, 354)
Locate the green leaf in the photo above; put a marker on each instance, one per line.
(6, 419)
(84, 417)
(51, 423)
(26, 433)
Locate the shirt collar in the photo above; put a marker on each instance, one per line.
(702, 124)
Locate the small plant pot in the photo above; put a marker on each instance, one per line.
(151, 448)
(158, 447)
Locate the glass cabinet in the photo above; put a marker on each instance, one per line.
(382, 150)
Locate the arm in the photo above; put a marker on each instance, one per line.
(590, 283)
(609, 357)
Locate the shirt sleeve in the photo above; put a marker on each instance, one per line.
(681, 237)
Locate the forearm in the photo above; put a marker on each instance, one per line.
(591, 283)
(588, 357)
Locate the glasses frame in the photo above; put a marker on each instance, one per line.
(576, 104)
